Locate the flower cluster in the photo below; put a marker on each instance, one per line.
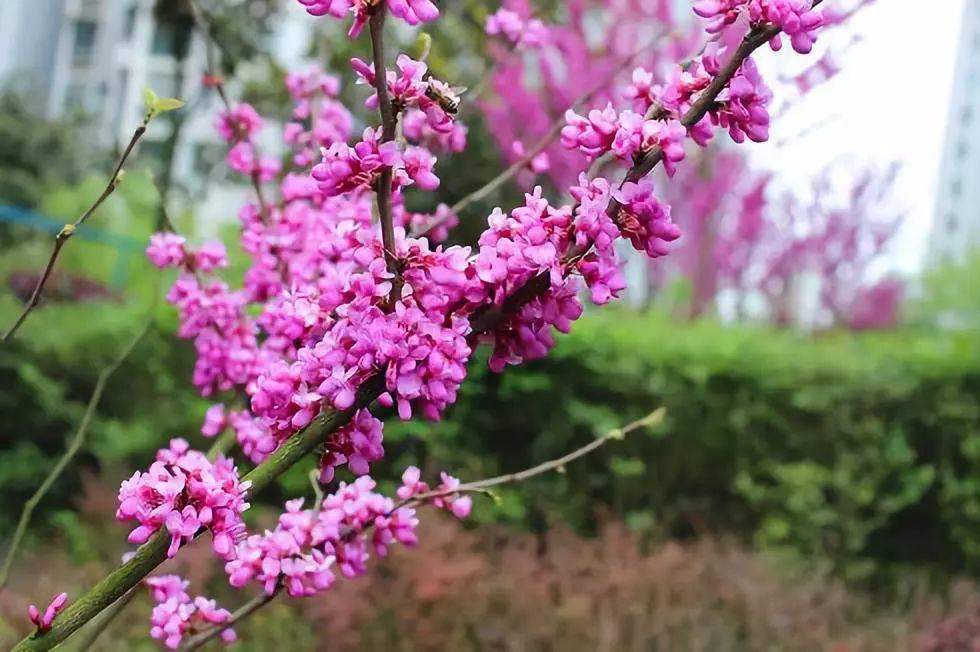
(347, 169)
(412, 12)
(528, 32)
(239, 126)
(447, 497)
(409, 89)
(182, 492)
(43, 620)
(319, 118)
(176, 615)
(331, 315)
(796, 18)
(300, 553)
(170, 250)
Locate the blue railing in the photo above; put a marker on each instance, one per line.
(125, 246)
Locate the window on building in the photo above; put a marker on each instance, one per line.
(164, 40)
(961, 150)
(129, 24)
(967, 114)
(84, 46)
(952, 223)
(956, 188)
(171, 39)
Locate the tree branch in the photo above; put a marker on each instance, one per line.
(482, 486)
(68, 230)
(99, 625)
(217, 82)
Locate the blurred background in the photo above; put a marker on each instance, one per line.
(813, 336)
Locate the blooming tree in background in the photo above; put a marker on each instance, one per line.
(742, 237)
(351, 308)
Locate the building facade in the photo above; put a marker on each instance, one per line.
(956, 221)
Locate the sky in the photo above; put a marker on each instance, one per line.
(889, 103)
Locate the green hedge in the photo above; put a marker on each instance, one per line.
(858, 449)
(853, 448)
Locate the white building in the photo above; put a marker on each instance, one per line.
(97, 56)
(956, 221)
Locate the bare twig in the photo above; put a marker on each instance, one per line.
(482, 486)
(68, 230)
(243, 612)
(73, 447)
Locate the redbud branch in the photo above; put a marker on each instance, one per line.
(241, 613)
(152, 553)
(481, 486)
(388, 124)
(68, 230)
(78, 439)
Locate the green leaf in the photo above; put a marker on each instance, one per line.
(149, 99)
(163, 104)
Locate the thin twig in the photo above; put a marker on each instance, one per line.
(317, 489)
(68, 230)
(481, 486)
(388, 124)
(243, 612)
(73, 447)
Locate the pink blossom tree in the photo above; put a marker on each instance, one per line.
(351, 307)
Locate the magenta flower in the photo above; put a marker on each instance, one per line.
(43, 620)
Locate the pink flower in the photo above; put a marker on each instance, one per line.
(531, 32)
(419, 163)
(306, 545)
(348, 169)
(239, 124)
(166, 250)
(43, 620)
(412, 12)
(214, 420)
(176, 614)
(183, 491)
(644, 219)
(594, 134)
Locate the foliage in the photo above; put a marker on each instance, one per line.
(34, 151)
(495, 588)
(847, 447)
